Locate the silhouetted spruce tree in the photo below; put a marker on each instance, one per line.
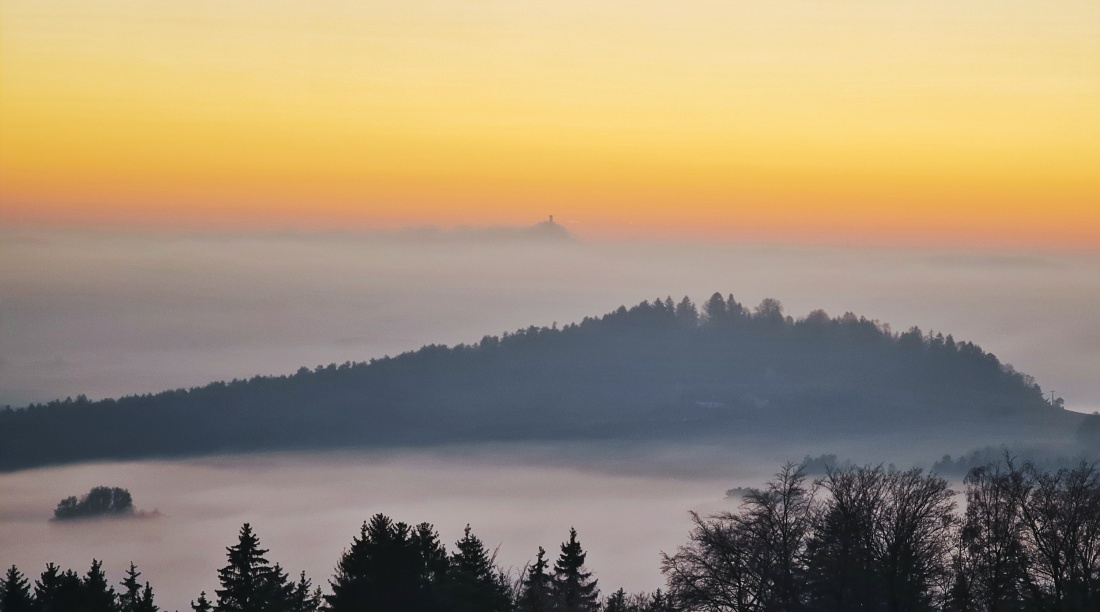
(248, 580)
(96, 595)
(135, 597)
(432, 561)
(131, 593)
(574, 588)
(277, 591)
(616, 602)
(660, 602)
(473, 583)
(385, 569)
(537, 590)
(15, 592)
(57, 591)
(303, 597)
(202, 604)
(145, 604)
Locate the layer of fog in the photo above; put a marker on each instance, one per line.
(306, 510)
(110, 314)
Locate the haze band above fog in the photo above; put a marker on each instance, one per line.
(109, 314)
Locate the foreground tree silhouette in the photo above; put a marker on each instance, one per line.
(991, 566)
(473, 584)
(1060, 517)
(249, 582)
(57, 591)
(303, 597)
(96, 595)
(388, 567)
(135, 598)
(15, 592)
(750, 560)
(574, 588)
(882, 540)
(537, 590)
(202, 604)
(877, 541)
(616, 602)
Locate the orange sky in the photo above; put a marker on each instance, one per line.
(912, 122)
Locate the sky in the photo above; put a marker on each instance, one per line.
(927, 123)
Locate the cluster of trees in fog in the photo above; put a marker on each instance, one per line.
(1051, 459)
(858, 538)
(100, 501)
(660, 369)
(867, 538)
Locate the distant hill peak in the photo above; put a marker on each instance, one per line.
(550, 230)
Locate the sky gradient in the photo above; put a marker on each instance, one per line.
(844, 122)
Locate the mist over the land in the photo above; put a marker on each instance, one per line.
(306, 509)
(108, 314)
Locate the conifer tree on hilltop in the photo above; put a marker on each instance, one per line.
(574, 588)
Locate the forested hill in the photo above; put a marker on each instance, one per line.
(657, 370)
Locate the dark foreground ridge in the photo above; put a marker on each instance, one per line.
(659, 370)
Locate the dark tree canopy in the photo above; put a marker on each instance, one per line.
(100, 501)
(574, 587)
(15, 592)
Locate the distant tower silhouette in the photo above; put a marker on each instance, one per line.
(551, 218)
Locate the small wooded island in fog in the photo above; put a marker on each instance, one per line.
(660, 370)
(97, 503)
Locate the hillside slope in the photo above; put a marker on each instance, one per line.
(658, 370)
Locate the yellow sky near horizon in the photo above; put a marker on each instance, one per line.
(929, 122)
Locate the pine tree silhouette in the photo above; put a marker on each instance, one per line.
(248, 580)
(616, 602)
(385, 569)
(96, 595)
(135, 598)
(202, 604)
(473, 582)
(574, 588)
(537, 590)
(15, 592)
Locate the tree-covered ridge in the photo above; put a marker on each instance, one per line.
(657, 369)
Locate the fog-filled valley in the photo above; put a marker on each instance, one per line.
(306, 509)
(518, 380)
